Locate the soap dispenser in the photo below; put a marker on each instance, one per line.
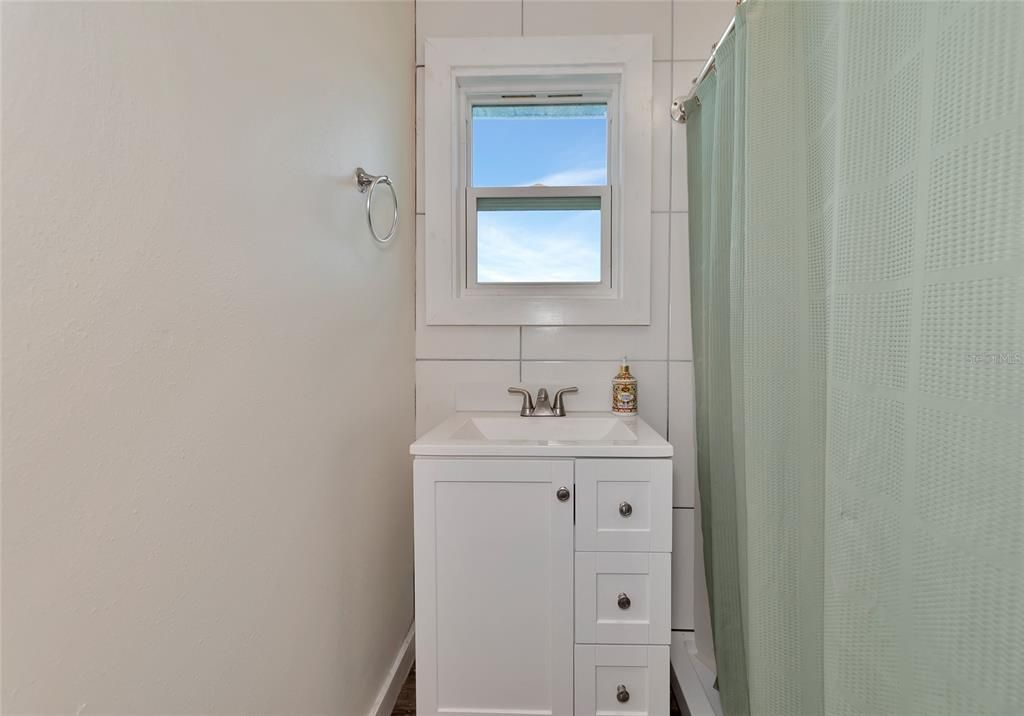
(624, 393)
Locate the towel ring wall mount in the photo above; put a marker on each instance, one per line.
(368, 183)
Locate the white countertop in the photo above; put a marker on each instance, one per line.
(506, 434)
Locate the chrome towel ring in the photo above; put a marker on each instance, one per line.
(367, 183)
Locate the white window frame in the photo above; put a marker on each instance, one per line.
(616, 70)
(577, 89)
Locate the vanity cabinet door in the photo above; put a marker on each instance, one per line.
(494, 585)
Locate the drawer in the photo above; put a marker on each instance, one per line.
(623, 598)
(621, 680)
(624, 505)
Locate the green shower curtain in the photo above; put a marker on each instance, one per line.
(856, 179)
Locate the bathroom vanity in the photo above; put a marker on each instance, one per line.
(543, 560)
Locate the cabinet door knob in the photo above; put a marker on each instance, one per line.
(622, 693)
(562, 494)
(624, 601)
(625, 509)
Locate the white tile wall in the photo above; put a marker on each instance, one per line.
(420, 185)
(682, 569)
(683, 74)
(594, 379)
(439, 342)
(701, 606)
(461, 366)
(697, 25)
(466, 18)
(681, 433)
(680, 337)
(661, 128)
(437, 382)
(613, 342)
(601, 17)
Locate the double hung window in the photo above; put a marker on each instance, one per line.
(538, 195)
(538, 180)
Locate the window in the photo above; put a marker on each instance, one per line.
(537, 178)
(538, 198)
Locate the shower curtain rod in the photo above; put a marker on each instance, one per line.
(678, 110)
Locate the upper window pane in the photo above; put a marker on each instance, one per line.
(540, 145)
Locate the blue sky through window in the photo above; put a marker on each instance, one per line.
(539, 246)
(551, 145)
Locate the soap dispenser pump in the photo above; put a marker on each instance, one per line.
(624, 392)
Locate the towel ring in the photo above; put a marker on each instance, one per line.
(367, 183)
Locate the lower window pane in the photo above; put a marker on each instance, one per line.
(538, 246)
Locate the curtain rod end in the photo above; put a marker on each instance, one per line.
(678, 112)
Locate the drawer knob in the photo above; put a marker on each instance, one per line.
(625, 509)
(562, 494)
(622, 693)
(624, 601)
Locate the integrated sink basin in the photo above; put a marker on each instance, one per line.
(544, 429)
(576, 435)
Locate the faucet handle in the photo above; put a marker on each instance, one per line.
(559, 407)
(527, 408)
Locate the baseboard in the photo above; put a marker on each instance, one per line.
(388, 695)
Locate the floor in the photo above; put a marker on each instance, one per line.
(406, 704)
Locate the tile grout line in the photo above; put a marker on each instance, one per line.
(671, 162)
(659, 361)
(415, 220)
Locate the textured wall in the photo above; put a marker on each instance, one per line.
(207, 362)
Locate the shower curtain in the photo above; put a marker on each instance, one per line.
(856, 179)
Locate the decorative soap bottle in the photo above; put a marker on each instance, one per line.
(624, 391)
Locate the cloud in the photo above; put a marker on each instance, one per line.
(558, 247)
(573, 177)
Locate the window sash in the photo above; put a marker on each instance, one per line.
(544, 98)
(550, 96)
(553, 198)
(538, 203)
(568, 88)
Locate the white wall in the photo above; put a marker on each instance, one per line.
(207, 362)
(661, 354)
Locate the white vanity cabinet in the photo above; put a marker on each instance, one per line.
(493, 586)
(543, 585)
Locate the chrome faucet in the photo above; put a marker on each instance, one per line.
(543, 408)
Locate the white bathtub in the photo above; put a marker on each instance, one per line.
(693, 682)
